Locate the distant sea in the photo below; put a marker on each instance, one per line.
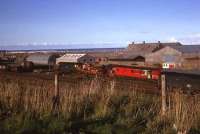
(58, 48)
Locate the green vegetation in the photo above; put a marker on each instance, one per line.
(91, 106)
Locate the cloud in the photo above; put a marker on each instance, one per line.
(173, 39)
(189, 39)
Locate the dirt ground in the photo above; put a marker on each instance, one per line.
(75, 78)
(188, 83)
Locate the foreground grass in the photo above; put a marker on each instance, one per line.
(91, 106)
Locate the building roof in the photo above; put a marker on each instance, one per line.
(141, 49)
(187, 48)
(39, 58)
(146, 48)
(100, 54)
(69, 57)
(125, 56)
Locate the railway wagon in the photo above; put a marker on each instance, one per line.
(136, 72)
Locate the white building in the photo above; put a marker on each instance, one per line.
(76, 58)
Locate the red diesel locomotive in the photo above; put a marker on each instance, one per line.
(135, 72)
(124, 71)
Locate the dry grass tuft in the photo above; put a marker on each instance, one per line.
(93, 105)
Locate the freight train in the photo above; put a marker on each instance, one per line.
(105, 70)
(125, 71)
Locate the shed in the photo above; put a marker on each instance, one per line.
(185, 56)
(100, 57)
(187, 49)
(76, 58)
(130, 59)
(146, 48)
(42, 59)
(166, 54)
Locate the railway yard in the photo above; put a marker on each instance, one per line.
(88, 92)
(132, 65)
(100, 67)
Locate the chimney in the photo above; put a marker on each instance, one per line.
(143, 42)
(159, 44)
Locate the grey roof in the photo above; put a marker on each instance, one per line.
(126, 55)
(145, 48)
(187, 48)
(40, 58)
(160, 43)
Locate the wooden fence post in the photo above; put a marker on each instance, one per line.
(163, 92)
(56, 97)
(56, 91)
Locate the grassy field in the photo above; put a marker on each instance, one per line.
(91, 105)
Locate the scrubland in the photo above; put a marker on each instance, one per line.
(95, 106)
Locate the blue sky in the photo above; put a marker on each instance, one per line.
(98, 21)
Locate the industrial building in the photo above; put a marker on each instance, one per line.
(100, 57)
(182, 57)
(147, 48)
(42, 59)
(129, 59)
(76, 58)
(135, 53)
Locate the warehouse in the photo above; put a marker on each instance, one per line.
(100, 57)
(127, 59)
(42, 59)
(135, 53)
(147, 48)
(181, 57)
(77, 61)
(76, 58)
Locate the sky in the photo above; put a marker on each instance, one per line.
(76, 22)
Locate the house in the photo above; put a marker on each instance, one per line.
(184, 56)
